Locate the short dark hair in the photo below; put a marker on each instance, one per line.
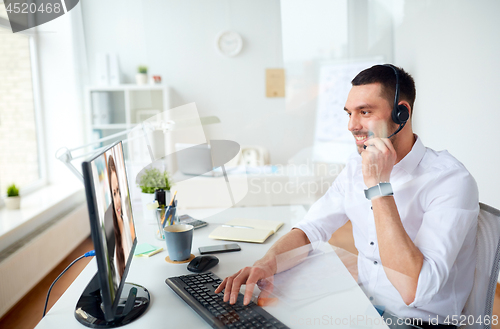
(385, 76)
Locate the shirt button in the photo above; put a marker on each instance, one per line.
(372, 243)
(375, 262)
(371, 298)
(371, 208)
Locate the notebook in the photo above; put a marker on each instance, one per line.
(246, 230)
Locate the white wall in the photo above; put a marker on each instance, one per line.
(453, 50)
(176, 39)
(313, 30)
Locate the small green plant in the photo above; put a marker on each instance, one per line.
(12, 190)
(142, 69)
(153, 179)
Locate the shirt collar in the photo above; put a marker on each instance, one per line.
(413, 158)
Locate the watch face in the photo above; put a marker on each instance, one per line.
(229, 43)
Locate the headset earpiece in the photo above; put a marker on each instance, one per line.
(400, 114)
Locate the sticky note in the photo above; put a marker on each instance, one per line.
(144, 248)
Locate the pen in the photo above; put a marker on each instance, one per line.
(168, 208)
(168, 211)
(165, 222)
(169, 220)
(173, 203)
(173, 198)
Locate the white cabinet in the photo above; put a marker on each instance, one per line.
(111, 109)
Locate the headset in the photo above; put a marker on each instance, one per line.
(400, 114)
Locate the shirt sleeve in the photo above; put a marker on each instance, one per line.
(327, 214)
(452, 207)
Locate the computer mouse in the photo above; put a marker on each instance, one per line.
(202, 263)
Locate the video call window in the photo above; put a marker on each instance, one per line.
(114, 213)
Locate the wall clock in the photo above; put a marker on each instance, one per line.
(229, 43)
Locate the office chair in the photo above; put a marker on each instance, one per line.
(480, 301)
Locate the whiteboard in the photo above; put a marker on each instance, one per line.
(331, 134)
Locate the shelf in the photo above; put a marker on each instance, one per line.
(113, 109)
(126, 87)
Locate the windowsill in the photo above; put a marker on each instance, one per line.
(38, 208)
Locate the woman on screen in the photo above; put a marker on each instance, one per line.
(123, 239)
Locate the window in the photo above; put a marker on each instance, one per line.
(3, 12)
(20, 156)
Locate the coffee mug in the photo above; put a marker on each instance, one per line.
(179, 238)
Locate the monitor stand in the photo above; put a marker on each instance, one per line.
(134, 300)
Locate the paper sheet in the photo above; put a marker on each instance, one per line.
(319, 275)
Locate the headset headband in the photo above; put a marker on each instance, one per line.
(396, 94)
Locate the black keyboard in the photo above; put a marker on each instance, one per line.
(197, 290)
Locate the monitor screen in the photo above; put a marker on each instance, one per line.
(112, 224)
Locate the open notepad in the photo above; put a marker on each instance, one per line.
(246, 230)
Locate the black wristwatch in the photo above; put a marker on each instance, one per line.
(381, 189)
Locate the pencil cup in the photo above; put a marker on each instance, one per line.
(179, 238)
(160, 215)
(165, 217)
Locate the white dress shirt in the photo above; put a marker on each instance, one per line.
(437, 200)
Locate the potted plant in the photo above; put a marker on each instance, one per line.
(13, 200)
(141, 78)
(150, 180)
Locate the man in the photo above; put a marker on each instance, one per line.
(416, 246)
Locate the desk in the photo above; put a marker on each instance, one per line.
(169, 311)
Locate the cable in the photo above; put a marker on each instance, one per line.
(87, 254)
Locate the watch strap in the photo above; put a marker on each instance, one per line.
(381, 189)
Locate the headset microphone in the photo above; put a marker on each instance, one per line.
(401, 126)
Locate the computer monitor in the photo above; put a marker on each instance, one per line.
(108, 301)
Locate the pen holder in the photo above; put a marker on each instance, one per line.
(160, 214)
(165, 217)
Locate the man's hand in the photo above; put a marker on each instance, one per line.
(289, 249)
(379, 158)
(258, 274)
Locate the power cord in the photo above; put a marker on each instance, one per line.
(87, 254)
